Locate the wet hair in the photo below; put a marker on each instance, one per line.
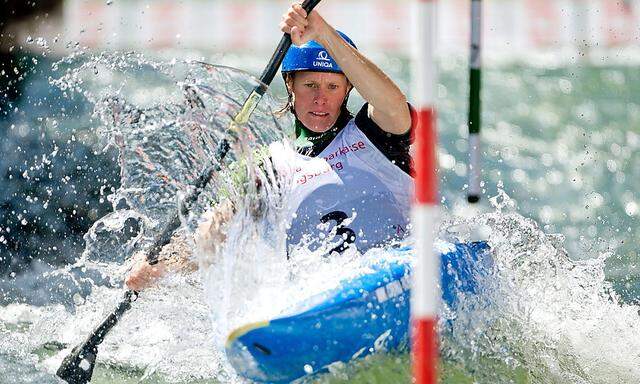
(288, 107)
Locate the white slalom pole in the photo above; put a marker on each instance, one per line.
(475, 77)
(425, 296)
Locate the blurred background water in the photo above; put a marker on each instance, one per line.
(561, 132)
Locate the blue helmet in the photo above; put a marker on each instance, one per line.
(311, 56)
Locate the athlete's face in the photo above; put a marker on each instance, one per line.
(318, 97)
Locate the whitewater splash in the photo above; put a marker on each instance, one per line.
(540, 316)
(163, 146)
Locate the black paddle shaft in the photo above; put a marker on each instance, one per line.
(77, 367)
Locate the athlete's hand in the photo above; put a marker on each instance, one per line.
(143, 275)
(302, 27)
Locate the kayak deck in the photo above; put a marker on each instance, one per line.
(367, 314)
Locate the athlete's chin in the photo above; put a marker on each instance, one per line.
(319, 124)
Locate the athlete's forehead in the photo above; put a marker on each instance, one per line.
(321, 77)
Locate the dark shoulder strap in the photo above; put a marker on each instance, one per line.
(394, 147)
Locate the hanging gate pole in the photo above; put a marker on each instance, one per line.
(475, 76)
(425, 296)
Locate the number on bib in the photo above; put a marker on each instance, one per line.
(347, 234)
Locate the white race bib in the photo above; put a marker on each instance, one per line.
(350, 194)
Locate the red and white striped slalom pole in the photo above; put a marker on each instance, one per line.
(425, 296)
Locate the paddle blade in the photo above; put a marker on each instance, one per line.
(77, 368)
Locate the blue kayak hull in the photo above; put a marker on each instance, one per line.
(366, 314)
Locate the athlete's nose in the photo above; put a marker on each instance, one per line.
(320, 97)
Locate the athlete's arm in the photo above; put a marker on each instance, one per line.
(174, 257)
(177, 256)
(387, 104)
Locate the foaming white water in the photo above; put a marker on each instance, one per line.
(541, 311)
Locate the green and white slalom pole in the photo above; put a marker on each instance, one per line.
(475, 82)
(425, 295)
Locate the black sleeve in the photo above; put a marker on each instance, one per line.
(394, 147)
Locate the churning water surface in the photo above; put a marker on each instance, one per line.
(119, 138)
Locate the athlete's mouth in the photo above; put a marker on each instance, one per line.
(319, 114)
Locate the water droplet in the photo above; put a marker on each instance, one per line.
(78, 299)
(631, 208)
(85, 365)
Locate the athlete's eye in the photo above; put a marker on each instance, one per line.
(334, 86)
(310, 85)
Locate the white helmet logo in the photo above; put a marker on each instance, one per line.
(323, 55)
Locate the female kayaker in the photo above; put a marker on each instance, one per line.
(352, 173)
